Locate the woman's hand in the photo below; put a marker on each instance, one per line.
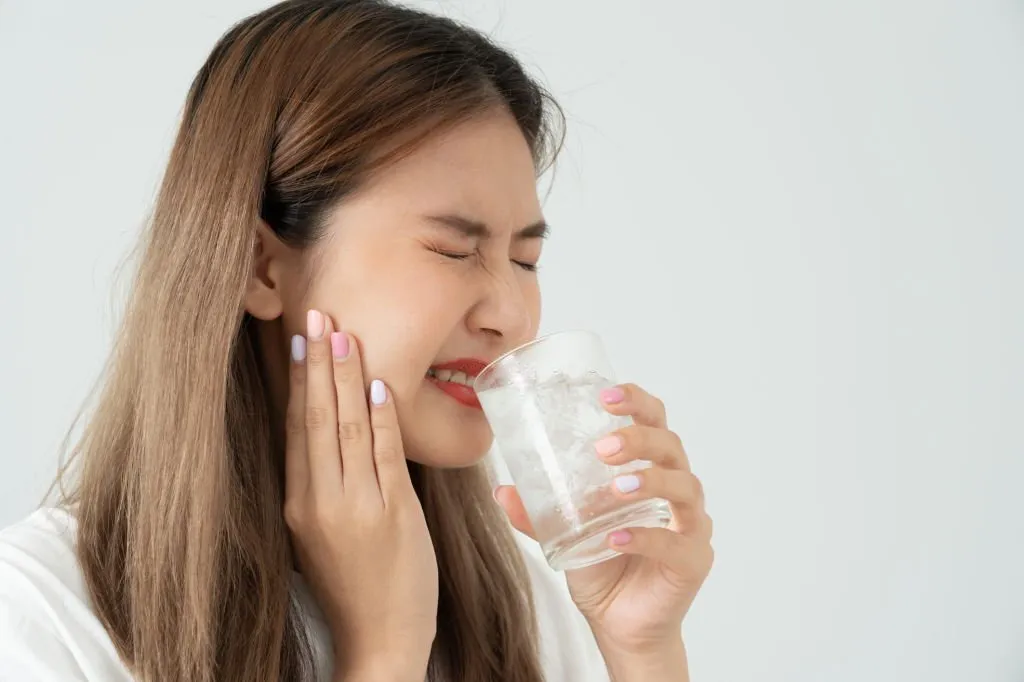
(356, 523)
(635, 603)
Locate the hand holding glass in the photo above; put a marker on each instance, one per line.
(542, 402)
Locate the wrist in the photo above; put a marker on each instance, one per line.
(381, 671)
(384, 666)
(663, 661)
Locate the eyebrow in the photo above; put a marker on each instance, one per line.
(479, 230)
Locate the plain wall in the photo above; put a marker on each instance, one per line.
(799, 223)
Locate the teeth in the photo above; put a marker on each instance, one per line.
(451, 377)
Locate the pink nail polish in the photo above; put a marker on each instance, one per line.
(621, 537)
(314, 325)
(608, 446)
(610, 396)
(339, 345)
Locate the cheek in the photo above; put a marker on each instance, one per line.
(402, 325)
(532, 296)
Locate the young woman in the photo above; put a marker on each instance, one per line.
(270, 486)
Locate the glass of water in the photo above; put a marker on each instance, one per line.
(543, 404)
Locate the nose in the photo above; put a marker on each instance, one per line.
(505, 309)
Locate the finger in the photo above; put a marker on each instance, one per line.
(354, 434)
(508, 497)
(681, 489)
(633, 401)
(321, 408)
(656, 445)
(687, 554)
(296, 460)
(388, 452)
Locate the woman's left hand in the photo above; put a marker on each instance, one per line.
(636, 602)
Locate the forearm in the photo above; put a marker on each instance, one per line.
(661, 664)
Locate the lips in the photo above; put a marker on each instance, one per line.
(468, 366)
(465, 395)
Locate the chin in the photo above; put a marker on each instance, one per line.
(445, 436)
(442, 448)
(439, 431)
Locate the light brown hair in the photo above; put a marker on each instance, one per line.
(176, 481)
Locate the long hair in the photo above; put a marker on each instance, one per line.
(176, 480)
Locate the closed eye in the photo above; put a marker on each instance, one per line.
(529, 267)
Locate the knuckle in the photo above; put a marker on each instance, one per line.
(383, 428)
(659, 409)
(350, 431)
(325, 513)
(697, 487)
(366, 513)
(349, 376)
(387, 454)
(295, 423)
(316, 355)
(408, 514)
(709, 560)
(316, 417)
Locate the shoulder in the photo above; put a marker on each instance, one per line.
(48, 629)
(567, 647)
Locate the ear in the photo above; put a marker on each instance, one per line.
(263, 295)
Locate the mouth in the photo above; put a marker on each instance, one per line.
(455, 379)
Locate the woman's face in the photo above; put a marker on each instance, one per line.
(383, 276)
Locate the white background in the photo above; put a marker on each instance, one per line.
(798, 222)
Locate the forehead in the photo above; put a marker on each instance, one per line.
(483, 166)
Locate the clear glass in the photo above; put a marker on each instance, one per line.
(542, 402)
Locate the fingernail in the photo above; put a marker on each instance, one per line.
(339, 345)
(627, 484)
(298, 348)
(621, 537)
(610, 396)
(378, 394)
(314, 325)
(608, 445)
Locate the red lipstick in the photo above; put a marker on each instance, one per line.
(469, 366)
(463, 394)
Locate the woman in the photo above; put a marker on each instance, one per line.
(271, 487)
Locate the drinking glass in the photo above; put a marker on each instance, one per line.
(542, 402)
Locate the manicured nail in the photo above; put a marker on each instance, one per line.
(610, 396)
(314, 325)
(298, 348)
(339, 345)
(378, 394)
(621, 537)
(608, 446)
(627, 484)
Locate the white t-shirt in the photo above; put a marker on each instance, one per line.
(49, 632)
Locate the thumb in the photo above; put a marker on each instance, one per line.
(509, 499)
